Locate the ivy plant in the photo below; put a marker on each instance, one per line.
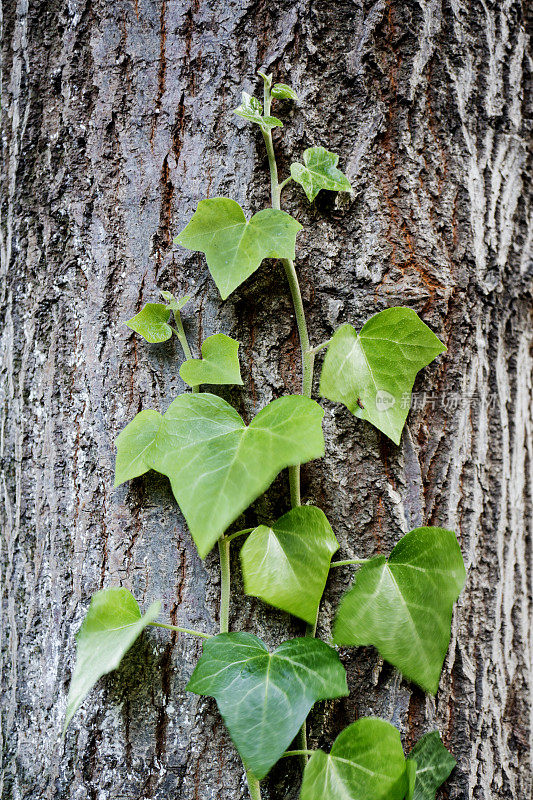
(217, 466)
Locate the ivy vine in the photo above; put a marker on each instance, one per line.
(217, 466)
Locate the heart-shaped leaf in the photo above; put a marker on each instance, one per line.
(281, 91)
(217, 466)
(433, 765)
(219, 363)
(111, 625)
(252, 109)
(152, 323)
(373, 372)
(320, 172)
(233, 247)
(403, 606)
(287, 564)
(366, 762)
(264, 697)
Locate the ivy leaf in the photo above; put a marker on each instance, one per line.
(433, 765)
(373, 372)
(219, 363)
(152, 323)
(287, 564)
(403, 605)
(217, 466)
(234, 248)
(173, 303)
(366, 762)
(133, 444)
(252, 109)
(281, 91)
(265, 697)
(112, 624)
(320, 172)
(410, 769)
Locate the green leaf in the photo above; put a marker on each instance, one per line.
(373, 372)
(152, 323)
(411, 778)
(112, 624)
(320, 172)
(219, 363)
(234, 248)
(173, 303)
(265, 697)
(433, 765)
(403, 606)
(283, 92)
(133, 444)
(287, 564)
(366, 762)
(252, 109)
(217, 466)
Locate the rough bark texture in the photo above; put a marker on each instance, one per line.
(115, 122)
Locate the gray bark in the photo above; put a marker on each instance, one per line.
(115, 122)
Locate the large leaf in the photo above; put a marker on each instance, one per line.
(411, 778)
(234, 248)
(366, 762)
(152, 323)
(112, 624)
(219, 363)
(133, 444)
(320, 172)
(217, 466)
(287, 564)
(373, 372)
(403, 606)
(264, 697)
(433, 765)
(252, 109)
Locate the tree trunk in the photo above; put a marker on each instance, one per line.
(116, 120)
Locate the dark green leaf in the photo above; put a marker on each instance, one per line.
(251, 109)
(112, 624)
(152, 323)
(234, 248)
(433, 765)
(219, 363)
(264, 697)
(320, 172)
(283, 92)
(217, 466)
(411, 778)
(403, 606)
(366, 762)
(373, 372)
(287, 565)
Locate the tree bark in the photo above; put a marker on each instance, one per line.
(116, 120)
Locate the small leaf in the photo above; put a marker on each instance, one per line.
(403, 606)
(112, 624)
(411, 778)
(283, 92)
(133, 443)
(433, 765)
(217, 466)
(173, 304)
(320, 172)
(219, 363)
(265, 697)
(373, 372)
(252, 109)
(234, 248)
(287, 565)
(152, 323)
(366, 762)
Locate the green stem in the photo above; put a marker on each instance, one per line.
(253, 786)
(225, 582)
(304, 752)
(348, 561)
(238, 533)
(180, 630)
(180, 333)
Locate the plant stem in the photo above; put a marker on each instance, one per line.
(348, 561)
(225, 581)
(180, 630)
(180, 333)
(253, 786)
(304, 752)
(238, 533)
